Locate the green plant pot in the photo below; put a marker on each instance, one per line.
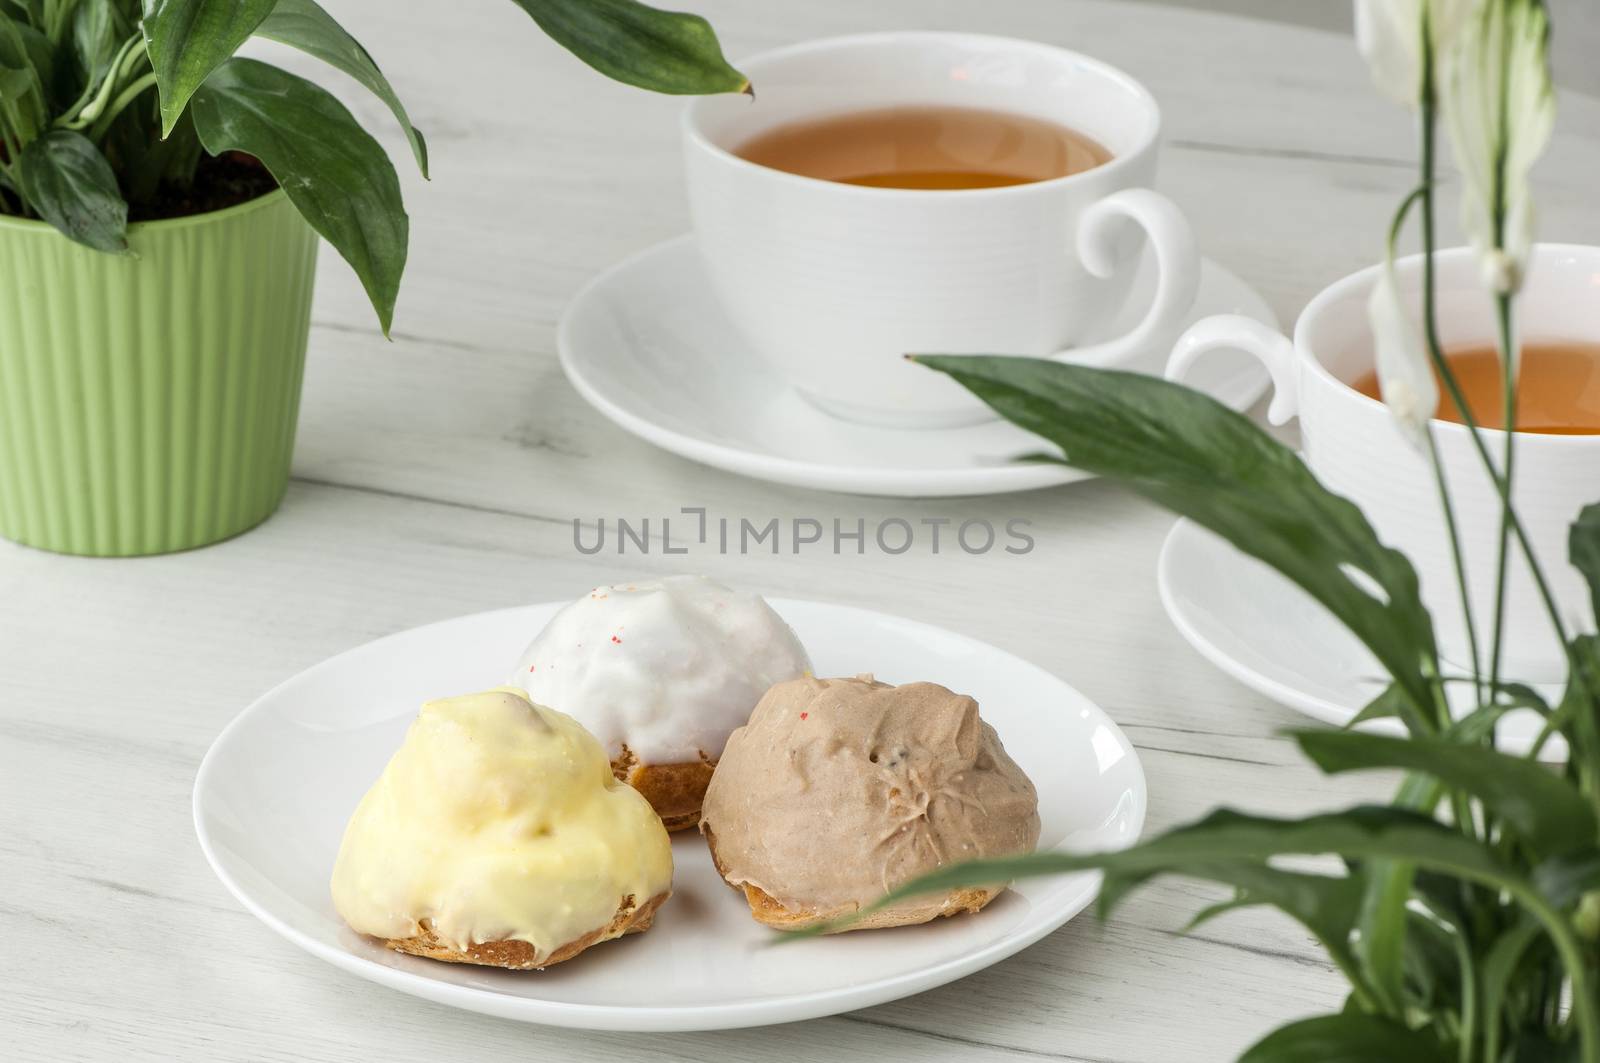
(148, 404)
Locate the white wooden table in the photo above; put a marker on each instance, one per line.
(440, 474)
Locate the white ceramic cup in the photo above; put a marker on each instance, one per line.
(1353, 446)
(833, 283)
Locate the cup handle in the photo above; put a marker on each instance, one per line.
(1177, 269)
(1239, 333)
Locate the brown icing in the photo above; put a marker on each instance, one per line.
(839, 790)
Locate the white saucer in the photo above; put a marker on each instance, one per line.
(1277, 640)
(277, 786)
(648, 346)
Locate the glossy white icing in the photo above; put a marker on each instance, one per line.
(666, 667)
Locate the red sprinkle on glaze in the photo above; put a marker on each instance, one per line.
(803, 715)
(533, 668)
(616, 640)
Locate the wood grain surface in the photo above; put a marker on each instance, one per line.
(440, 474)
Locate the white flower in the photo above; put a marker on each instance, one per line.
(1389, 34)
(1405, 375)
(1501, 108)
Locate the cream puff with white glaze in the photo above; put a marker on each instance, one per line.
(661, 672)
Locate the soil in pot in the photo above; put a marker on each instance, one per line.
(220, 181)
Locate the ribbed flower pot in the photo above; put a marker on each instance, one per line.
(148, 404)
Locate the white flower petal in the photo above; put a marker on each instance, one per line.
(1499, 272)
(1405, 374)
(1448, 18)
(1389, 35)
(1501, 106)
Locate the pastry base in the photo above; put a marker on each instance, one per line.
(769, 911)
(521, 955)
(675, 791)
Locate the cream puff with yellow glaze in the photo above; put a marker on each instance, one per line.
(498, 835)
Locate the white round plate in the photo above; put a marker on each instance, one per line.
(277, 786)
(648, 346)
(1267, 633)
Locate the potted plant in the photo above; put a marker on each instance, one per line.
(1465, 915)
(160, 200)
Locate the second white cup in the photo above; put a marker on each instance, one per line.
(1353, 445)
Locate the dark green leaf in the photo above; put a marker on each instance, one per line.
(1196, 457)
(304, 25)
(1537, 1046)
(1583, 547)
(1388, 705)
(14, 81)
(1432, 964)
(663, 51)
(1548, 813)
(1364, 832)
(188, 39)
(1449, 898)
(1212, 911)
(1522, 696)
(1476, 726)
(1326, 905)
(1499, 967)
(1349, 1037)
(145, 163)
(31, 47)
(27, 74)
(1505, 954)
(333, 171)
(69, 183)
(1380, 944)
(1578, 714)
(98, 30)
(1563, 879)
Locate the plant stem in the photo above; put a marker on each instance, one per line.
(1583, 1002)
(1453, 386)
(86, 110)
(1508, 376)
(1508, 386)
(1461, 569)
(1424, 194)
(1469, 994)
(125, 97)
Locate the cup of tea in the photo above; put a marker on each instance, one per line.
(1325, 377)
(900, 193)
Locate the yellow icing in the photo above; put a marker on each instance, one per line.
(498, 819)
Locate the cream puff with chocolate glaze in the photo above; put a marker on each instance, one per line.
(498, 835)
(840, 790)
(661, 672)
